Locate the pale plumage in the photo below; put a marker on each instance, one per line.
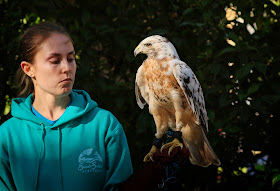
(175, 99)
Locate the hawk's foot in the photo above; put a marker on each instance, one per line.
(149, 156)
(171, 145)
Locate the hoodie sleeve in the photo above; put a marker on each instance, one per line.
(6, 178)
(119, 167)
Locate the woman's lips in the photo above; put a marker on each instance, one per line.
(66, 80)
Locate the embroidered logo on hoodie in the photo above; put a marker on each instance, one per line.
(90, 162)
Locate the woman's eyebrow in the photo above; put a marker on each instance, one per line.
(72, 52)
(57, 54)
(53, 55)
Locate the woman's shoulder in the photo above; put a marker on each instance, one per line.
(103, 113)
(9, 126)
(10, 122)
(105, 118)
(108, 115)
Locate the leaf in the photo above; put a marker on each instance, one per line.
(243, 71)
(242, 96)
(211, 115)
(233, 129)
(207, 15)
(233, 36)
(224, 51)
(187, 11)
(85, 17)
(253, 88)
(260, 168)
(275, 179)
(186, 23)
(261, 67)
(224, 101)
(215, 69)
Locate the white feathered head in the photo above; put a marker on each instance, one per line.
(157, 47)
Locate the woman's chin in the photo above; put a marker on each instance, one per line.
(66, 90)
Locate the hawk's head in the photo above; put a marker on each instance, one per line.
(157, 47)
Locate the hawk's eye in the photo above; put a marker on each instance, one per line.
(148, 44)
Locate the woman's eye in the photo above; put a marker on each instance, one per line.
(71, 59)
(55, 61)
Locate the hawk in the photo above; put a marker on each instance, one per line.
(175, 98)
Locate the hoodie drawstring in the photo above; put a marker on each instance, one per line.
(42, 150)
(59, 145)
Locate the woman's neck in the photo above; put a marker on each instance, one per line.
(51, 107)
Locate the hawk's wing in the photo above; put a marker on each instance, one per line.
(192, 90)
(141, 88)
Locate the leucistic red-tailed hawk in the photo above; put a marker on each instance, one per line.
(175, 99)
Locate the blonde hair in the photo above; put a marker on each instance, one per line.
(30, 41)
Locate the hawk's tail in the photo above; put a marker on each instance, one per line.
(201, 152)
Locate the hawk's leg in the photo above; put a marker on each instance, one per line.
(177, 135)
(175, 143)
(161, 121)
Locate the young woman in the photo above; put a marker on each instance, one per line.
(58, 138)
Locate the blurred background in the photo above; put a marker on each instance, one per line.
(232, 46)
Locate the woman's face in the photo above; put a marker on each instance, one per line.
(54, 66)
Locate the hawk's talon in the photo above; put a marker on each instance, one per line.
(171, 145)
(149, 156)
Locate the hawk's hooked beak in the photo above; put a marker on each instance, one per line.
(137, 50)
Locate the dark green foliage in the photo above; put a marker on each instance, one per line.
(105, 34)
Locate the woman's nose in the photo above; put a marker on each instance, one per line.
(65, 66)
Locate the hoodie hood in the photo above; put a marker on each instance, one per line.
(81, 103)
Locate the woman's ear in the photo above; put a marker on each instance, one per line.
(27, 68)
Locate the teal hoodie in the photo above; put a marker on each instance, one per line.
(85, 150)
